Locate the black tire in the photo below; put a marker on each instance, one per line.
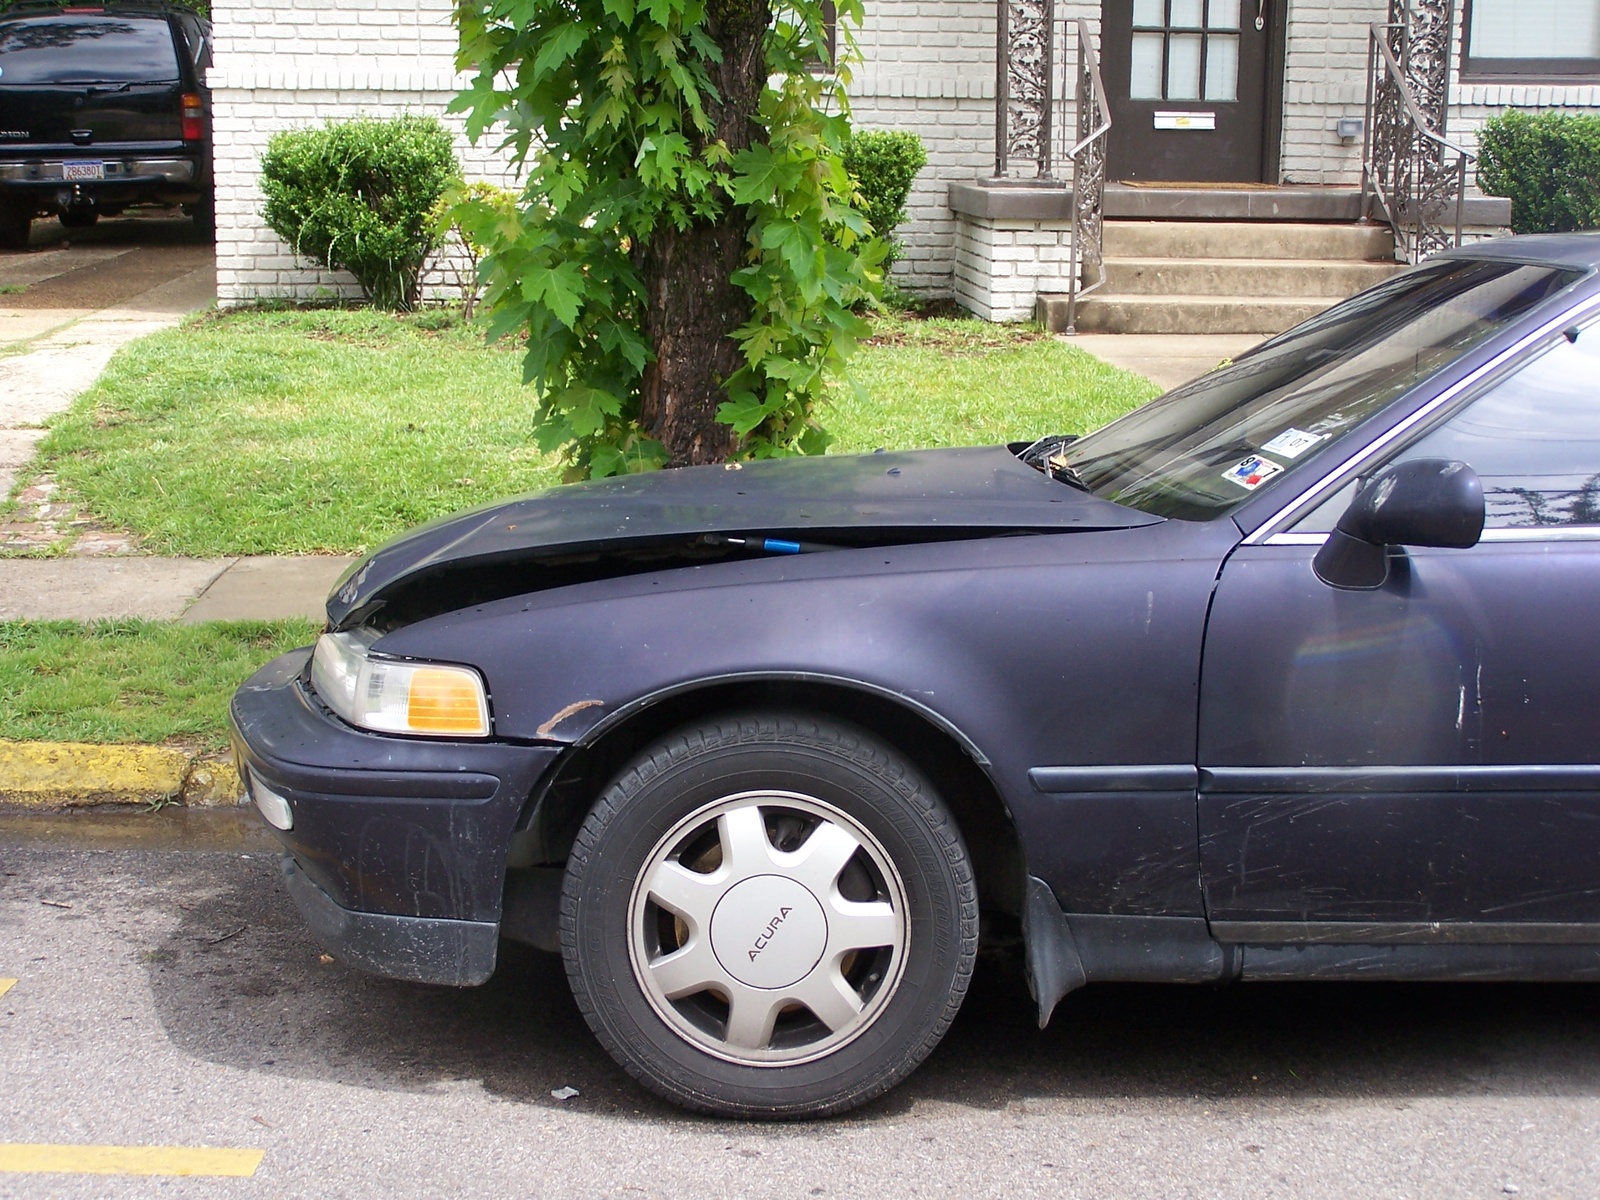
(789, 770)
(15, 225)
(79, 218)
(204, 214)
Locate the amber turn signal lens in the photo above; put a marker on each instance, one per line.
(443, 701)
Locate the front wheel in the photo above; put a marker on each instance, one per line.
(769, 915)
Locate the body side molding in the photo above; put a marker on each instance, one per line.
(1143, 777)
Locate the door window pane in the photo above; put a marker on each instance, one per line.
(1146, 81)
(1223, 14)
(1186, 14)
(1222, 66)
(1183, 66)
(1150, 13)
(1534, 439)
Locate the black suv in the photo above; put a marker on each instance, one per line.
(101, 107)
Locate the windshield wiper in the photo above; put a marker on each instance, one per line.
(1059, 468)
(1048, 454)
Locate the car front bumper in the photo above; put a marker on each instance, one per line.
(397, 851)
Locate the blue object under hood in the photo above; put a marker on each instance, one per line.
(855, 499)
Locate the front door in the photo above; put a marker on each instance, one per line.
(1377, 765)
(1187, 81)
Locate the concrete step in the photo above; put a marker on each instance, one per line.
(1110, 312)
(1236, 239)
(1260, 277)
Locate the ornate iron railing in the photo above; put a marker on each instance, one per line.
(1416, 175)
(1024, 84)
(1088, 155)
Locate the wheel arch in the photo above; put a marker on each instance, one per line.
(955, 765)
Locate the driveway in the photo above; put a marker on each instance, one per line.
(68, 303)
(68, 273)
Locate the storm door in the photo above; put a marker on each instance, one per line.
(1188, 88)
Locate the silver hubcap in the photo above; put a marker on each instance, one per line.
(768, 928)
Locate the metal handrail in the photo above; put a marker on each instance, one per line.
(1088, 157)
(1400, 207)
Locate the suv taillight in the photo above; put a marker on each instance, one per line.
(194, 117)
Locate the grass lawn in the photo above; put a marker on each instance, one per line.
(295, 432)
(131, 681)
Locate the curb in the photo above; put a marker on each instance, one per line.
(56, 775)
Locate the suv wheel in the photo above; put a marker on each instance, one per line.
(15, 223)
(769, 915)
(204, 213)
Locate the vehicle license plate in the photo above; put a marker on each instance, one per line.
(83, 169)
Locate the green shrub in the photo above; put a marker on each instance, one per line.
(358, 195)
(884, 165)
(1549, 165)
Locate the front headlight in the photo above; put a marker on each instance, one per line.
(397, 697)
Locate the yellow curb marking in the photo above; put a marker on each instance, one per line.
(6, 985)
(127, 1160)
(72, 773)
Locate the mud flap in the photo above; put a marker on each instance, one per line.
(1054, 967)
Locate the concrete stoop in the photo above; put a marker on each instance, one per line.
(1208, 277)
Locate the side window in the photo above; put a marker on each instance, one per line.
(199, 46)
(1533, 438)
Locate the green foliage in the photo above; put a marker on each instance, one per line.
(132, 681)
(358, 195)
(481, 205)
(302, 431)
(611, 108)
(1549, 165)
(883, 164)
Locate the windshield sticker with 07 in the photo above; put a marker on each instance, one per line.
(1292, 443)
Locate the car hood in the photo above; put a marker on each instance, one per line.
(877, 498)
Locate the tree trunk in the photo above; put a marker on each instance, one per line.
(691, 305)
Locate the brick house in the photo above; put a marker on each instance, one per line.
(1256, 105)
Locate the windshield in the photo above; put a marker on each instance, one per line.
(1201, 450)
(87, 49)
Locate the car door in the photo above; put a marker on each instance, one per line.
(1384, 765)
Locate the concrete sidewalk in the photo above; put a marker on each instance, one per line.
(186, 589)
(49, 355)
(1168, 358)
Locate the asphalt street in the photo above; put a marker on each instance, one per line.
(173, 998)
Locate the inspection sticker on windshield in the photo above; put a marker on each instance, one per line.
(1292, 443)
(1252, 472)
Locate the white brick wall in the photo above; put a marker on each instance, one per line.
(1325, 62)
(929, 67)
(285, 63)
(1001, 267)
(282, 64)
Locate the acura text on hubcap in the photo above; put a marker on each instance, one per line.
(768, 928)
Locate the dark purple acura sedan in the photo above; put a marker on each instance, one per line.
(1289, 674)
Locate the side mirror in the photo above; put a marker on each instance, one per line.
(1424, 502)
